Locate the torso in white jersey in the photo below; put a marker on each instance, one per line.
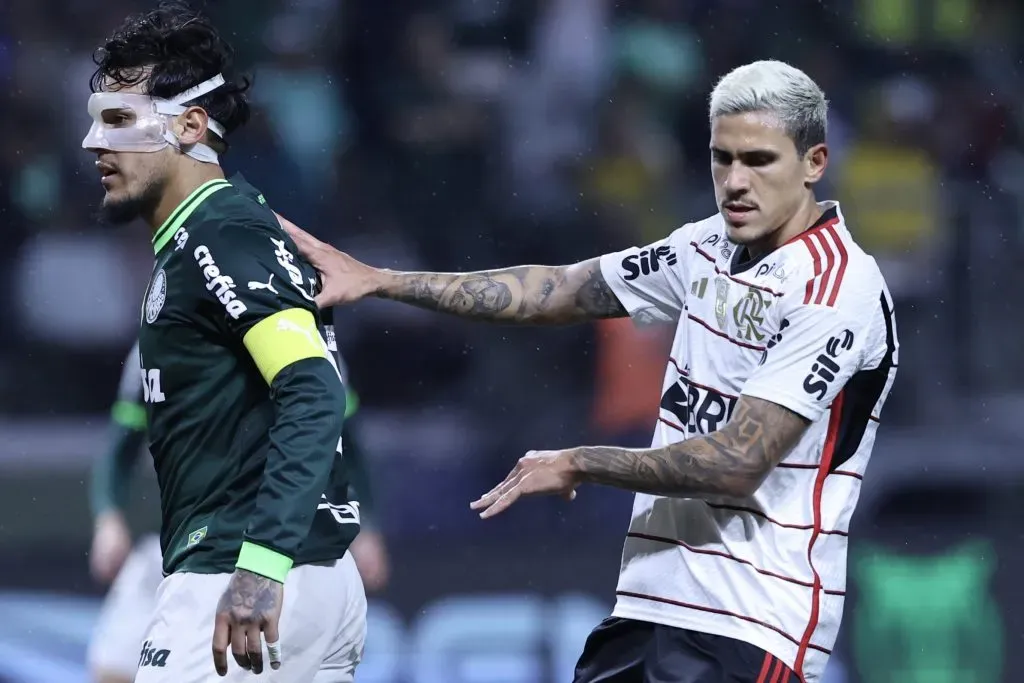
(810, 327)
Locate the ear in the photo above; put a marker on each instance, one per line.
(190, 126)
(815, 162)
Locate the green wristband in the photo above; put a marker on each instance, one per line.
(263, 561)
(129, 415)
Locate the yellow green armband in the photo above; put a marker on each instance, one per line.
(263, 561)
(284, 338)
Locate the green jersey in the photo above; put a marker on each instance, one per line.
(244, 401)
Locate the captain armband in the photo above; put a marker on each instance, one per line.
(284, 338)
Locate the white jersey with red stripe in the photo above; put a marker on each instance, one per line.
(810, 327)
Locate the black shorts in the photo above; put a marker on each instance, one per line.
(628, 651)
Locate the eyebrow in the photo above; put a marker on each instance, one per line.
(746, 153)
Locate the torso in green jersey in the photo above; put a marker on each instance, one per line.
(209, 409)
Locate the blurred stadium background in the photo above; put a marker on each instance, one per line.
(463, 134)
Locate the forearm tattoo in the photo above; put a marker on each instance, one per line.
(524, 294)
(730, 462)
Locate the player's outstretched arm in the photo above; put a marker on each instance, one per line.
(733, 461)
(539, 295)
(730, 462)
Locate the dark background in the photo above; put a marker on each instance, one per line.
(465, 134)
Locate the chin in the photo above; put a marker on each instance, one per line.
(743, 234)
(120, 209)
(124, 206)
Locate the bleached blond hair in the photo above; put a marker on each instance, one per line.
(777, 88)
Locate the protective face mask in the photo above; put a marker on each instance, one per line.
(144, 124)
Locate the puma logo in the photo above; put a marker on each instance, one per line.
(254, 285)
(289, 326)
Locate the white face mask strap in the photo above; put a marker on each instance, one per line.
(173, 106)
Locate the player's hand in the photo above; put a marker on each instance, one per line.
(536, 473)
(111, 543)
(371, 556)
(344, 278)
(249, 607)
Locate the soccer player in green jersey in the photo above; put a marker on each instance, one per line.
(134, 570)
(244, 404)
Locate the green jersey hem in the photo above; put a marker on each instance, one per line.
(263, 561)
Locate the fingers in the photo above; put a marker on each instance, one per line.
(246, 645)
(238, 650)
(503, 503)
(494, 494)
(270, 630)
(306, 243)
(221, 636)
(538, 472)
(254, 648)
(502, 496)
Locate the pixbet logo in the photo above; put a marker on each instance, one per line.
(648, 261)
(824, 370)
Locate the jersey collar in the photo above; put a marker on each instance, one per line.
(181, 214)
(741, 262)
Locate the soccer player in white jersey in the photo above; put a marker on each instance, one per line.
(734, 566)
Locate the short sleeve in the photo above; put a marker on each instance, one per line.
(128, 410)
(646, 280)
(251, 274)
(129, 388)
(816, 350)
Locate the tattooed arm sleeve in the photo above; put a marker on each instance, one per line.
(730, 462)
(543, 295)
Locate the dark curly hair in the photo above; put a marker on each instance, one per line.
(181, 49)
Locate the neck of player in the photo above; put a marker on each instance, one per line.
(806, 216)
(180, 185)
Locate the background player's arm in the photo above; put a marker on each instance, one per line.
(730, 462)
(359, 472)
(369, 548)
(112, 473)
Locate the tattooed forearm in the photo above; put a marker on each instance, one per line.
(730, 462)
(549, 295)
(250, 597)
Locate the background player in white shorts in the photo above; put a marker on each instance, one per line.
(135, 570)
(734, 567)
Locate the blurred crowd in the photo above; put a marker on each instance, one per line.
(468, 134)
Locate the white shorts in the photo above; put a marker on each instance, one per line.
(127, 610)
(323, 628)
